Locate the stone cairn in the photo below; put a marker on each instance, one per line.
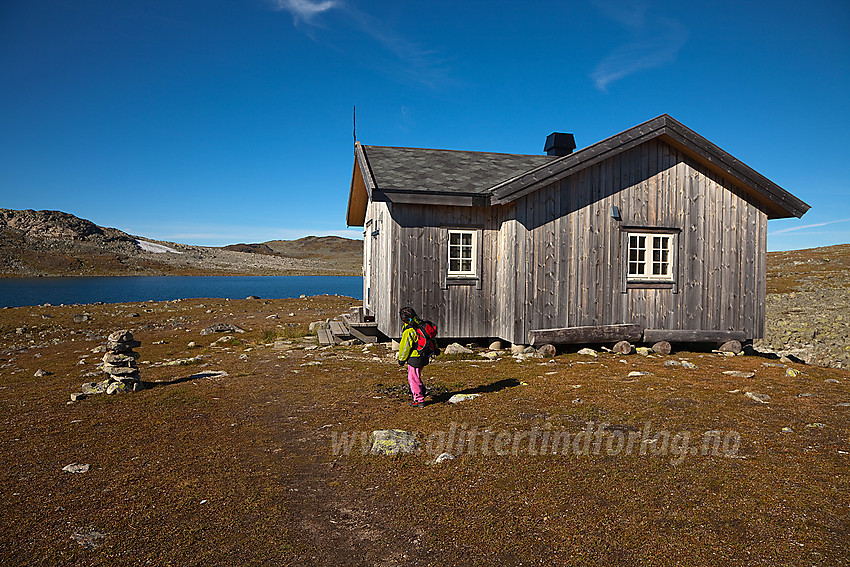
(120, 359)
(119, 363)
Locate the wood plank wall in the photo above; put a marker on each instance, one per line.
(720, 255)
(556, 258)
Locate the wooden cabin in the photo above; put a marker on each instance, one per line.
(652, 234)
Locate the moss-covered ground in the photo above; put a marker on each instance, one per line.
(254, 467)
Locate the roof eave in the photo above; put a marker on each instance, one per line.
(362, 188)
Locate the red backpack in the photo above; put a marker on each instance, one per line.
(426, 332)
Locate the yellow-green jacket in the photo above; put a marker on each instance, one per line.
(407, 349)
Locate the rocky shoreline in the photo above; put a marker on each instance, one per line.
(52, 243)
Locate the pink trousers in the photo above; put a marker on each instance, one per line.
(414, 378)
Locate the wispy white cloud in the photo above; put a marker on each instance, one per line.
(305, 10)
(806, 226)
(402, 58)
(651, 41)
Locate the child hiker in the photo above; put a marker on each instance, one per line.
(407, 352)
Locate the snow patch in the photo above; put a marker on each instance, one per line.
(156, 248)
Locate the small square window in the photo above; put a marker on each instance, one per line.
(462, 253)
(650, 256)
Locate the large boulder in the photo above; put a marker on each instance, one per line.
(457, 348)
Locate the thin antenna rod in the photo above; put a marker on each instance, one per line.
(354, 122)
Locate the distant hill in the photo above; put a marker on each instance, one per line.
(53, 243)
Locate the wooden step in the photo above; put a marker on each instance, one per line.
(340, 329)
(325, 337)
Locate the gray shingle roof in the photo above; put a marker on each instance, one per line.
(445, 171)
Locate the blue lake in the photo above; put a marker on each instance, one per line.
(17, 292)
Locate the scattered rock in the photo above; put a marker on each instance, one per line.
(587, 352)
(222, 328)
(81, 318)
(662, 347)
(517, 349)
(792, 372)
(731, 346)
(118, 388)
(577, 401)
(443, 457)
(806, 395)
(637, 373)
(302, 296)
(843, 405)
(133, 314)
(94, 388)
(39, 373)
(739, 374)
(672, 363)
(457, 348)
(76, 396)
(815, 425)
(756, 397)
(623, 347)
(831, 381)
(787, 430)
(495, 345)
(457, 398)
(253, 297)
(393, 441)
(89, 538)
(491, 355)
(76, 468)
(394, 346)
(547, 350)
(643, 351)
(689, 365)
(192, 344)
(773, 365)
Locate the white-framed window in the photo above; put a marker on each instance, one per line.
(462, 253)
(650, 256)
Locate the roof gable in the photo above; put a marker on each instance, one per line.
(779, 202)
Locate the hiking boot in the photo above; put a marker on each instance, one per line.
(418, 404)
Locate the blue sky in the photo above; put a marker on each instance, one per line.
(221, 121)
